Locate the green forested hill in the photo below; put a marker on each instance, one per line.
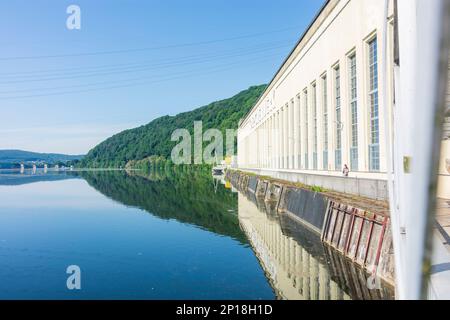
(153, 139)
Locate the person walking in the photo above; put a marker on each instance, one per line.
(345, 171)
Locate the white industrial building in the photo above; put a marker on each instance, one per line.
(323, 109)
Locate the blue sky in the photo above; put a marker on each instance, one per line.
(132, 61)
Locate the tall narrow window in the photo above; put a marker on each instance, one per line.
(354, 114)
(374, 147)
(305, 93)
(338, 150)
(325, 122)
(314, 111)
(299, 126)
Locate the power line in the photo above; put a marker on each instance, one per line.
(107, 82)
(145, 62)
(93, 75)
(146, 49)
(186, 75)
(138, 67)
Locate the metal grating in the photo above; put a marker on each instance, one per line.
(352, 232)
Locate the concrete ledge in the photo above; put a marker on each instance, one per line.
(371, 188)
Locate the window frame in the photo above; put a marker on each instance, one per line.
(325, 119)
(337, 88)
(373, 85)
(352, 60)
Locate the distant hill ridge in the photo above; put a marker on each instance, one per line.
(154, 139)
(19, 156)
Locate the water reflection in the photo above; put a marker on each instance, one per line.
(186, 196)
(17, 178)
(297, 264)
(158, 235)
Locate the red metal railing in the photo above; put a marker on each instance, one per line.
(334, 229)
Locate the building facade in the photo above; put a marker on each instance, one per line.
(324, 108)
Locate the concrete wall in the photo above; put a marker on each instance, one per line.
(305, 205)
(279, 133)
(364, 187)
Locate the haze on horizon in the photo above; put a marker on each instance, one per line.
(64, 91)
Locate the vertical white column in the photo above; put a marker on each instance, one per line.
(250, 150)
(255, 148)
(286, 138)
(244, 152)
(310, 135)
(274, 141)
(261, 145)
(266, 145)
(281, 139)
(301, 130)
(264, 154)
(247, 150)
(278, 139)
(274, 145)
(272, 138)
(270, 149)
(291, 135)
(307, 125)
(266, 138)
(264, 150)
(258, 147)
(261, 152)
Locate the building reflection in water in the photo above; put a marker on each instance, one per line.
(296, 262)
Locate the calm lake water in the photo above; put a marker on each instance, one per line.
(161, 235)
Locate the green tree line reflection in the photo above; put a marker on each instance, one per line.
(187, 195)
